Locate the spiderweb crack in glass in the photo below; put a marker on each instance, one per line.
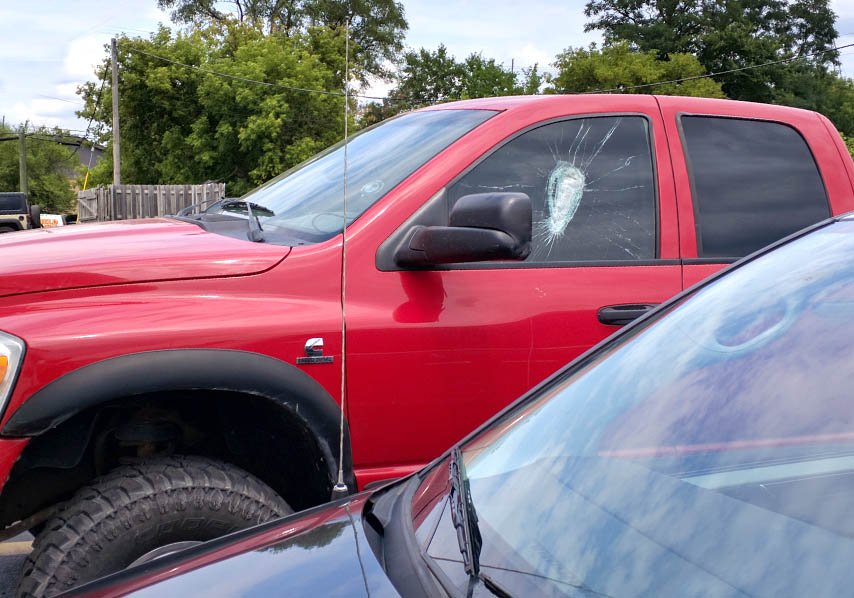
(591, 183)
(568, 181)
(563, 194)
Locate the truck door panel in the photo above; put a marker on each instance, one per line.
(457, 343)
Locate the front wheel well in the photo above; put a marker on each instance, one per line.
(266, 438)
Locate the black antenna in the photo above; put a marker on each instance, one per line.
(192, 207)
(340, 489)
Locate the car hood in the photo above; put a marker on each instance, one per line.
(128, 251)
(319, 552)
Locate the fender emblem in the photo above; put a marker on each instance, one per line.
(314, 353)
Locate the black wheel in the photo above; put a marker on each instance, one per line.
(139, 510)
(7, 229)
(35, 217)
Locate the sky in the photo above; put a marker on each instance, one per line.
(50, 47)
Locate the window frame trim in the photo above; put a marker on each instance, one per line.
(689, 167)
(384, 259)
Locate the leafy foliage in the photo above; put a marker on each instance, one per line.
(49, 168)
(428, 76)
(740, 28)
(796, 36)
(618, 68)
(182, 125)
(726, 35)
(377, 27)
(434, 76)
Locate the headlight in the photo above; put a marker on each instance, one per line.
(11, 354)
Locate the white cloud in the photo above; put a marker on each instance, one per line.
(378, 88)
(529, 54)
(68, 90)
(38, 112)
(84, 54)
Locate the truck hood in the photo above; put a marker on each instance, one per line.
(128, 251)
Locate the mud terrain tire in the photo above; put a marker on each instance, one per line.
(137, 508)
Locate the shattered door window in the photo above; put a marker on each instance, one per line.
(591, 184)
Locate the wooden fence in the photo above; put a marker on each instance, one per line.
(123, 202)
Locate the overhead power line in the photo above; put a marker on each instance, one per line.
(67, 101)
(74, 144)
(420, 99)
(709, 75)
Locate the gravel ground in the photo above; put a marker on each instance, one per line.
(10, 567)
(12, 555)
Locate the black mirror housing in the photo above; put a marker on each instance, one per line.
(483, 227)
(507, 212)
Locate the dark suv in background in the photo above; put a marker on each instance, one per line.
(16, 214)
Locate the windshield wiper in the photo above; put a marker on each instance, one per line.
(256, 233)
(464, 516)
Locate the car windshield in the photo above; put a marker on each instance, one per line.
(709, 452)
(307, 202)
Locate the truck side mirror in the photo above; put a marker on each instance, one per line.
(482, 227)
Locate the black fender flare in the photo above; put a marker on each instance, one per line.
(189, 369)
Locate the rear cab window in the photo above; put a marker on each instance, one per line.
(13, 203)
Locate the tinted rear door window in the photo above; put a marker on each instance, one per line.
(753, 182)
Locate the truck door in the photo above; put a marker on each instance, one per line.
(745, 177)
(432, 354)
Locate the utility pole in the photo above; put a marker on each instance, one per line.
(117, 177)
(22, 158)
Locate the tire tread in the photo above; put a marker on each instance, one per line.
(104, 511)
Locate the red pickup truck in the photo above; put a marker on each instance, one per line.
(168, 380)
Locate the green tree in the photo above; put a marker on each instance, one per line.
(377, 27)
(430, 76)
(50, 167)
(727, 35)
(532, 81)
(483, 78)
(794, 27)
(619, 68)
(426, 76)
(185, 125)
(825, 92)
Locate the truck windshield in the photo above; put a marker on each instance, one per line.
(307, 201)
